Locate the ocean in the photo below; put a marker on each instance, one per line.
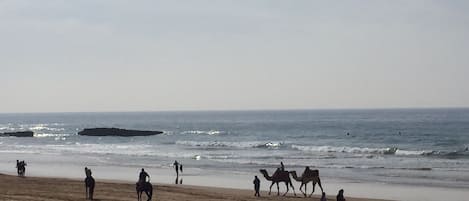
(425, 147)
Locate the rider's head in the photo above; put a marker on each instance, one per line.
(143, 170)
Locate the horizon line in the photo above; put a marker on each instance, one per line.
(243, 110)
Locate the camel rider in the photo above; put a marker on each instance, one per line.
(142, 178)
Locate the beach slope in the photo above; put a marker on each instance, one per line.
(13, 188)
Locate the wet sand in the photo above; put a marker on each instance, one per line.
(13, 188)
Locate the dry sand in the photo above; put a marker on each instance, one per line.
(55, 189)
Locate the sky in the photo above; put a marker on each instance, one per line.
(116, 55)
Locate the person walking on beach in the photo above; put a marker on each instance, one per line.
(323, 197)
(176, 167)
(257, 186)
(142, 178)
(340, 195)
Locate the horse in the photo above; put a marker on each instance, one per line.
(89, 187)
(144, 187)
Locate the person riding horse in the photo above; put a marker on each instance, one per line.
(142, 178)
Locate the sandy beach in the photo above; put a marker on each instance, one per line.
(13, 188)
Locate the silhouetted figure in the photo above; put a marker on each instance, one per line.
(257, 186)
(323, 197)
(20, 168)
(340, 195)
(348, 133)
(89, 184)
(87, 172)
(142, 177)
(176, 167)
(180, 167)
(282, 167)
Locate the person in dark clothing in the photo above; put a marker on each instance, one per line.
(340, 195)
(176, 167)
(142, 178)
(257, 186)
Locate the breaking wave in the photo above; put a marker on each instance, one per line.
(380, 151)
(221, 144)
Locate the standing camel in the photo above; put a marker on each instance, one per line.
(278, 176)
(308, 176)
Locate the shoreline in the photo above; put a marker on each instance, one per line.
(72, 168)
(49, 188)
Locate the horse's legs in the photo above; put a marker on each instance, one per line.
(91, 192)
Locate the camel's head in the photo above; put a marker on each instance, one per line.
(263, 171)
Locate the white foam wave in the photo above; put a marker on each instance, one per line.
(354, 150)
(201, 132)
(214, 144)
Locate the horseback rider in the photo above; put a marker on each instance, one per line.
(142, 178)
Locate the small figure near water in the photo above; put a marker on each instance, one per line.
(176, 167)
(340, 195)
(21, 168)
(257, 186)
(89, 184)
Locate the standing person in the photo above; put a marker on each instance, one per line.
(257, 186)
(18, 167)
(340, 195)
(323, 197)
(176, 167)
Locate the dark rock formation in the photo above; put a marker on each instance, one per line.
(116, 132)
(18, 134)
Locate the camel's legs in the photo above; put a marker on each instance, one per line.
(270, 189)
(294, 193)
(301, 186)
(320, 186)
(314, 186)
(286, 184)
(278, 190)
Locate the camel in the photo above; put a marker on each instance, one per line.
(144, 187)
(89, 187)
(308, 176)
(278, 176)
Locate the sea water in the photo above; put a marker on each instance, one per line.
(425, 147)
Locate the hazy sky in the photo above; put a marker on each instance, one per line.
(115, 55)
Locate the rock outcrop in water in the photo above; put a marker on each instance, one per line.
(116, 132)
(18, 134)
